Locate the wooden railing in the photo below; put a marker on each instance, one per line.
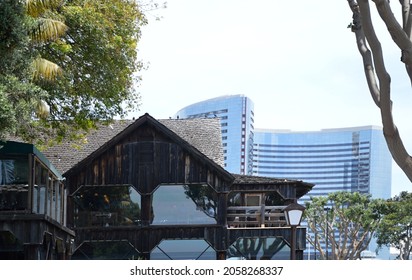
(256, 216)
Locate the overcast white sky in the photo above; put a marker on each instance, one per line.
(296, 60)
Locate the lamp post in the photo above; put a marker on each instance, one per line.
(294, 213)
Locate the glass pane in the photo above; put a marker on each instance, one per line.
(107, 206)
(183, 250)
(42, 199)
(13, 184)
(58, 201)
(184, 204)
(235, 199)
(14, 171)
(35, 199)
(265, 248)
(106, 250)
(274, 199)
(252, 200)
(50, 192)
(40, 182)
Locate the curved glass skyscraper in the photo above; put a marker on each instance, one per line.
(352, 159)
(346, 159)
(237, 118)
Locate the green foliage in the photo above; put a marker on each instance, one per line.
(396, 226)
(17, 100)
(14, 49)
(93, 47)
(99, 58)
(348, 225)
(17, 93)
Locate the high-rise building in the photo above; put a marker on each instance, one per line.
(236, 113)
(352, 159)
(343, 159)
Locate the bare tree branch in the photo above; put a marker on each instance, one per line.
(407, 28)
(406, 17)
(395, 30)
(361, 13)
(365, 52)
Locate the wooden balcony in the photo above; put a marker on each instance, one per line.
(256, 216)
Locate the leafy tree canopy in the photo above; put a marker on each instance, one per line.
(346, 227)
(396, 226)
(17, 93)
(96, 56)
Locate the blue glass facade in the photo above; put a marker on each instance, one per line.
(237, 119)
(346, 159)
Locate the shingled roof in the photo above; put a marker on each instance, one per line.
(243, 180)
(203, 134)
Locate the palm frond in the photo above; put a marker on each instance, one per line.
(45, 69)
(48, 30)
(36, 8)
(42, 109)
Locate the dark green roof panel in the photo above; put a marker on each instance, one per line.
(18, 148)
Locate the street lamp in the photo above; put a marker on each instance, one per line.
(294, 213)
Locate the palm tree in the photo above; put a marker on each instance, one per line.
(48, 28)
(45, 29)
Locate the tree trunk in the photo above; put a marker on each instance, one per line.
(363, 28)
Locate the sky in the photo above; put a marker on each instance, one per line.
(296, 60)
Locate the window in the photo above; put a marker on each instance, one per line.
(184, 204)
(39, 190)
(253, 199)
(14, 171)
(106, 206)
(14, 184)
(197, 249)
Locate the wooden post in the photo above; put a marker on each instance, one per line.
(221, 255)
(146, 214)
(262, 215)
(222, 210)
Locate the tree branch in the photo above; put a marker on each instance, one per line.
(395, 30)
(407, 27)
(391, 133)
(365, 52)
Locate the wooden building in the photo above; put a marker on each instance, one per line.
(149, 188)
(32, 206)
(157, 189)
